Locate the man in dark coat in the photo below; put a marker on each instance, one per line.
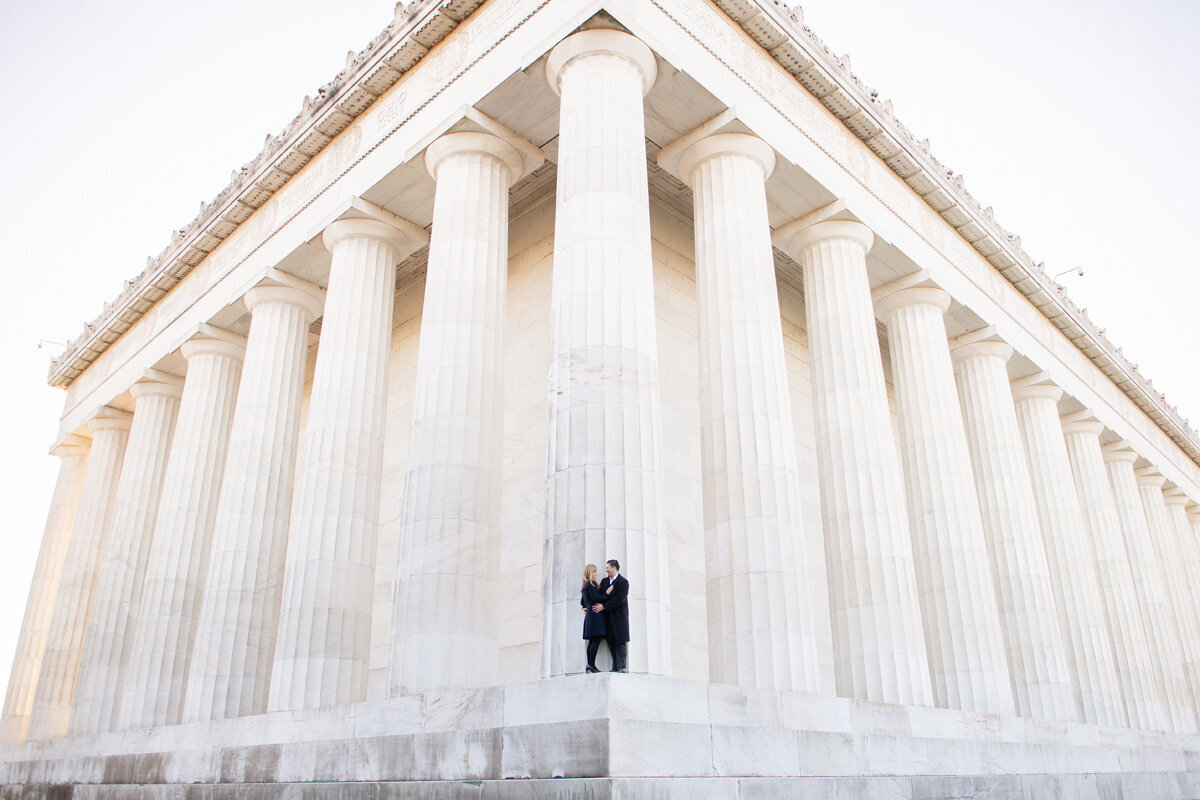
(615, 590)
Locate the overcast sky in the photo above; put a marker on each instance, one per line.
(1075, 120)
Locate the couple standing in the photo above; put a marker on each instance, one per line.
(605, 614)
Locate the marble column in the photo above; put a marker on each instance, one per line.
(1185, 546)
(1162, 633)
(954, 579)
(445, 621)
(1071, 555)
(1174, 573)
(761, 631)
(164, 623)
(604, 474)
(1144, 702)
(1033, 638)
(230, 664)
(1193, 515)
(22, 682)
(123, 556)
(64, 643)
(1176, 501)
(879, 647)
(329, 574)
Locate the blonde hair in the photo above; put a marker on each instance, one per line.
(589, 575)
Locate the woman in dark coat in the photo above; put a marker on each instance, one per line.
(593, 621)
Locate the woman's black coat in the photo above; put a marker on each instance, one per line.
(593, 623)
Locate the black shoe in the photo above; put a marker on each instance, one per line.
(622, 669)
(592, 669)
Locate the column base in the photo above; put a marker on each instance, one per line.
(612, 736)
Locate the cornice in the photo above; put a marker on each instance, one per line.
(415, 29)
(781, 31)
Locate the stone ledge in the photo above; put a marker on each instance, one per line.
(1143, 786)
(586, 727)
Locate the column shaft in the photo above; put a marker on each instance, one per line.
(329, 574)
(761, 631)
(230, 665)
(1071, 556)
(1033, 638)
(164, 625)
(604, 453)
(1187, 559)
(39, 608)
(1166, 651)
(1174, 574)
(123, 557)
(958, 600)
(879, 647)
(1189, 555)
(445, 622)
(64, 643)
(1144, 703)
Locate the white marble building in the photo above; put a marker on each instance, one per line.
(536, 283)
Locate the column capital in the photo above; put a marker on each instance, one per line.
(1149, 476)
(602, 40)
(156, 388)
(1032, 391)
(202, 345)
(916, 296)
(107, 418)
(1175, 496)
(720, 144)
(795, 240)
(996, 349)
(1119, 451)
(1081, 426)
(1082, 422)
(452, 144)
(283, 294)
(404, 239)
(72, 445)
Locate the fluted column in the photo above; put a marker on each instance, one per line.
(329, 574)
(1034, 641)
(761, 632)
(1166, 546)
(1144, 702)
(1188, 561)
(445, 621)
(954, 580)
(31, 644)
(1071, 556)
(123, 556)
(879, 647)
(230, 665)
(164, 623)
(64, 643)
(1176, 501)
(1162, 632)
(604, 483)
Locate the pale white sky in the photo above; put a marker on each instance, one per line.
(1075, 120)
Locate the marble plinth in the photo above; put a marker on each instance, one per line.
(590, 736)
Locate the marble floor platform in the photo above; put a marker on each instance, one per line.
(612, 736)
